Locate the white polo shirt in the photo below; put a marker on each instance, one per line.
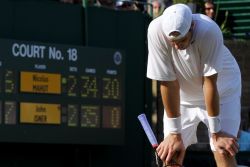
(205, 56)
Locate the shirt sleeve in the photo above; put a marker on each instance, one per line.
(212, 51)
(159, 65)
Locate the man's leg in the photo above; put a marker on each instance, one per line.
(224, 160)
(177, 160)
(230, 122)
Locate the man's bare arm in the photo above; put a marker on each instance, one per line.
(170, 93)
(223, 142)
(211, 95)
(172, 145)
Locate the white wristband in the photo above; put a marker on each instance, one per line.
(174, 125)
(214, 124)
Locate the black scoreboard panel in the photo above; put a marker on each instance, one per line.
(61, 94)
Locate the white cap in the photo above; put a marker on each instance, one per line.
(177, 18)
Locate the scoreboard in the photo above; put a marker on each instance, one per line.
(53, 93)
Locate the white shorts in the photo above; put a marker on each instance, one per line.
(191, 116)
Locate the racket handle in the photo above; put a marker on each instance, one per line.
(147, 129)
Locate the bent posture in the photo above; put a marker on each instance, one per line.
(199, 81)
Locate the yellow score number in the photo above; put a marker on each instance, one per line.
(89, 87)
(35, 82)
(111, 117)
(111, 88)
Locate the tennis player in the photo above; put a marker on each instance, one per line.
(199, 81)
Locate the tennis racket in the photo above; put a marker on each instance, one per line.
(152, 139)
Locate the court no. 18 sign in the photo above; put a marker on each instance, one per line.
(61, 94)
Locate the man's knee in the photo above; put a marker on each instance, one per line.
(224, 160)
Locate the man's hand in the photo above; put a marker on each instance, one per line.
(171, 147)
(225, 143)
